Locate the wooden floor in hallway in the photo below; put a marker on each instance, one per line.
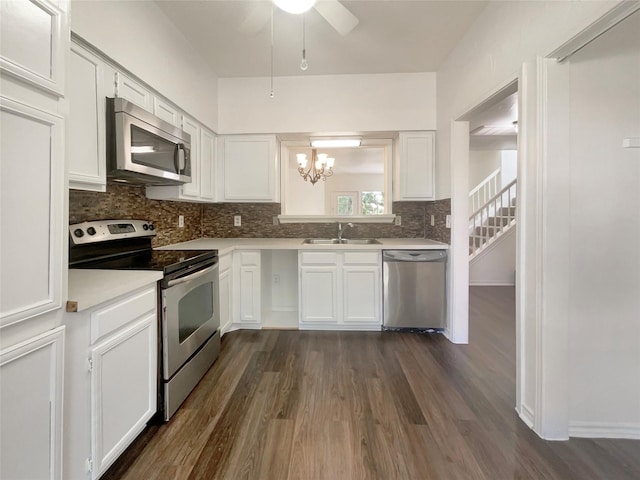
(281, 405)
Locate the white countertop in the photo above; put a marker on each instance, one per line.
(227, 245)
(88, 288)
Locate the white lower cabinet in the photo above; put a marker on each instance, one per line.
(247, 298)
(31, 407)
(110, 388)
(330, 280)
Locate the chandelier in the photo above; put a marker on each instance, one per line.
(321, 166)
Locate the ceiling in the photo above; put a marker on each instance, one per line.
(491, 127)
(392, 36)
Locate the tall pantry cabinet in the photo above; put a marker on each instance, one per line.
(33, 55)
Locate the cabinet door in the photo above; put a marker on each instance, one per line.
(250, 167)
(31, 407)
(86, 136)
(246, 288)
(133, 91)
(34, 43)
(415, 168)
(319, 295)
(123, 390)
(31, 207)
(361, 298)
(166, 112)
(193, 128)
(207, 164)
(250, 294)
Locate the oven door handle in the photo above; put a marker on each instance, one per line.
(193, 276)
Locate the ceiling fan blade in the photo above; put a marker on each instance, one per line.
(256, 19)
(337, 15)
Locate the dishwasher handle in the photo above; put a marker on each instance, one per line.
(414, 256)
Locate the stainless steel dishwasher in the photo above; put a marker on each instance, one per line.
(414, 283)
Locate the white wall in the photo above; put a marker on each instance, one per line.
(328, 103)
(604, 196)
(142, 39)
(497, 264)
(502, 43)
(482, 163)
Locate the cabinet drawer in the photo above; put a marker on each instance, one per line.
(250, 258)
(361, 258)
(319, 258)
(116, 315)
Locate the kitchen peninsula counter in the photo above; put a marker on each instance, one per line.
(227, 245)
(88, 288)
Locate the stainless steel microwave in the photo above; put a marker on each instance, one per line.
(144, 149)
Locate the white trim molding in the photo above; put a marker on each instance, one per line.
(605, 430)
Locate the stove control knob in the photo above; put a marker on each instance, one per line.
(91, 231)
(145, 227)
(151, 227)
(78, 232)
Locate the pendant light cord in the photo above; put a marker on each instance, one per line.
(271, 95)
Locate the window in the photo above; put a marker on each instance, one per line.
(345, 205)
(372, 203)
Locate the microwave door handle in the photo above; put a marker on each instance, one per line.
(180, 162)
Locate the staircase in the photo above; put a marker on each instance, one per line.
(493, 218)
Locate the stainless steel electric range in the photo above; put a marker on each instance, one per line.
(188, 301)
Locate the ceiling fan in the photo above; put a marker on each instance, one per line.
(334, 12)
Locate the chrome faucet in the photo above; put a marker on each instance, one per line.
(341, 229)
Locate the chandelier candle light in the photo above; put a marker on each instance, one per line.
(321, 166)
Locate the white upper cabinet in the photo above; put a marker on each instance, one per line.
(414, 172)
(203, 156)
(34, 43)
(193, 128)
(249, 168)
(207, 164)
(134, 91)
(167, 112)
(89, 84)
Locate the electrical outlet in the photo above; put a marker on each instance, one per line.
(276, 221)
(433, 220)
(448, 221)
(237, 221)
(276, 279)
(397, 220)
(181, 221)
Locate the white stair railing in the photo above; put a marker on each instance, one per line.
(484, 191)
(492, 219)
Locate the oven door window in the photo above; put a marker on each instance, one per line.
(194, 310)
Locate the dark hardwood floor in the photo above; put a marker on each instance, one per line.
(283, 405)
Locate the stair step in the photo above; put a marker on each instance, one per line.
(507, 211)
(489, 231)
(496, 221)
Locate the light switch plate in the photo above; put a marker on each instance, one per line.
(448, 221)
(180, 221)
(433, 220)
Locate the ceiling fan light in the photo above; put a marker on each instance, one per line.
(294, 6)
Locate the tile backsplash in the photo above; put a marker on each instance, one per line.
(128, 201)
(216, 219)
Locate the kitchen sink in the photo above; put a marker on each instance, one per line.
(344, 241)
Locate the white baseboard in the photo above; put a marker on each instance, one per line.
(491, 284)
(604, 430)
(526, 415)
